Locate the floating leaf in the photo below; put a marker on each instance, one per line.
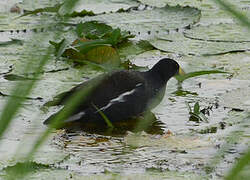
(103, 54)
(162, 3)
(219, 33)
(96, 51)
(85, 46)
(103, 6)
(80, 14)
(151, 22)
(134, 48)
(180, 44)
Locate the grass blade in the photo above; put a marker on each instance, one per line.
(241, 164)
(106, 119)
(181, 78)
(13, 104)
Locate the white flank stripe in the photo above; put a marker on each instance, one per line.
(76, 116)
(120, 98)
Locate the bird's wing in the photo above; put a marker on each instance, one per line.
(133, 100)
(126, 104)
(115, 85)
(113, 93)
(62, 98)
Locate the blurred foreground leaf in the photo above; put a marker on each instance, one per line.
(21, 168)
(244, 20)
(241, 164)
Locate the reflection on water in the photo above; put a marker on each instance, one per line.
(148, 123)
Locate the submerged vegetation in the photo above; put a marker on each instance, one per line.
(60, 43)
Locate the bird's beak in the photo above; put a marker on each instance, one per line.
(181, 71)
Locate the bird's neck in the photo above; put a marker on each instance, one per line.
(157, 76)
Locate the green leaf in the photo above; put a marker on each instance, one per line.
(115, 36)
(24, 167)
(197, 108)
(241, 164)
(104, 55)
(81, 14)
(181, 78)
(93, 29)
(84, 47)
(110, 125)
(194, 117)
(60, 47)
(79, 29)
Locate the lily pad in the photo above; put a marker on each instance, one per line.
(161, 3)
(236, 63)
(148, 23)
(5, 66)
(179, 44)
(131, 49)
(219, 33)
(10, 22)
(103, 54)
(36, 4)
(82, 8)
(103, 6)
(237, 99)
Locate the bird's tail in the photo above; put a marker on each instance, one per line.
(80, 117)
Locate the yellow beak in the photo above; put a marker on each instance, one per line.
(181, 71)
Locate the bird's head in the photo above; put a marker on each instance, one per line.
(167, 68)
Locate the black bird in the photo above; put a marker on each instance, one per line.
(119, 95)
